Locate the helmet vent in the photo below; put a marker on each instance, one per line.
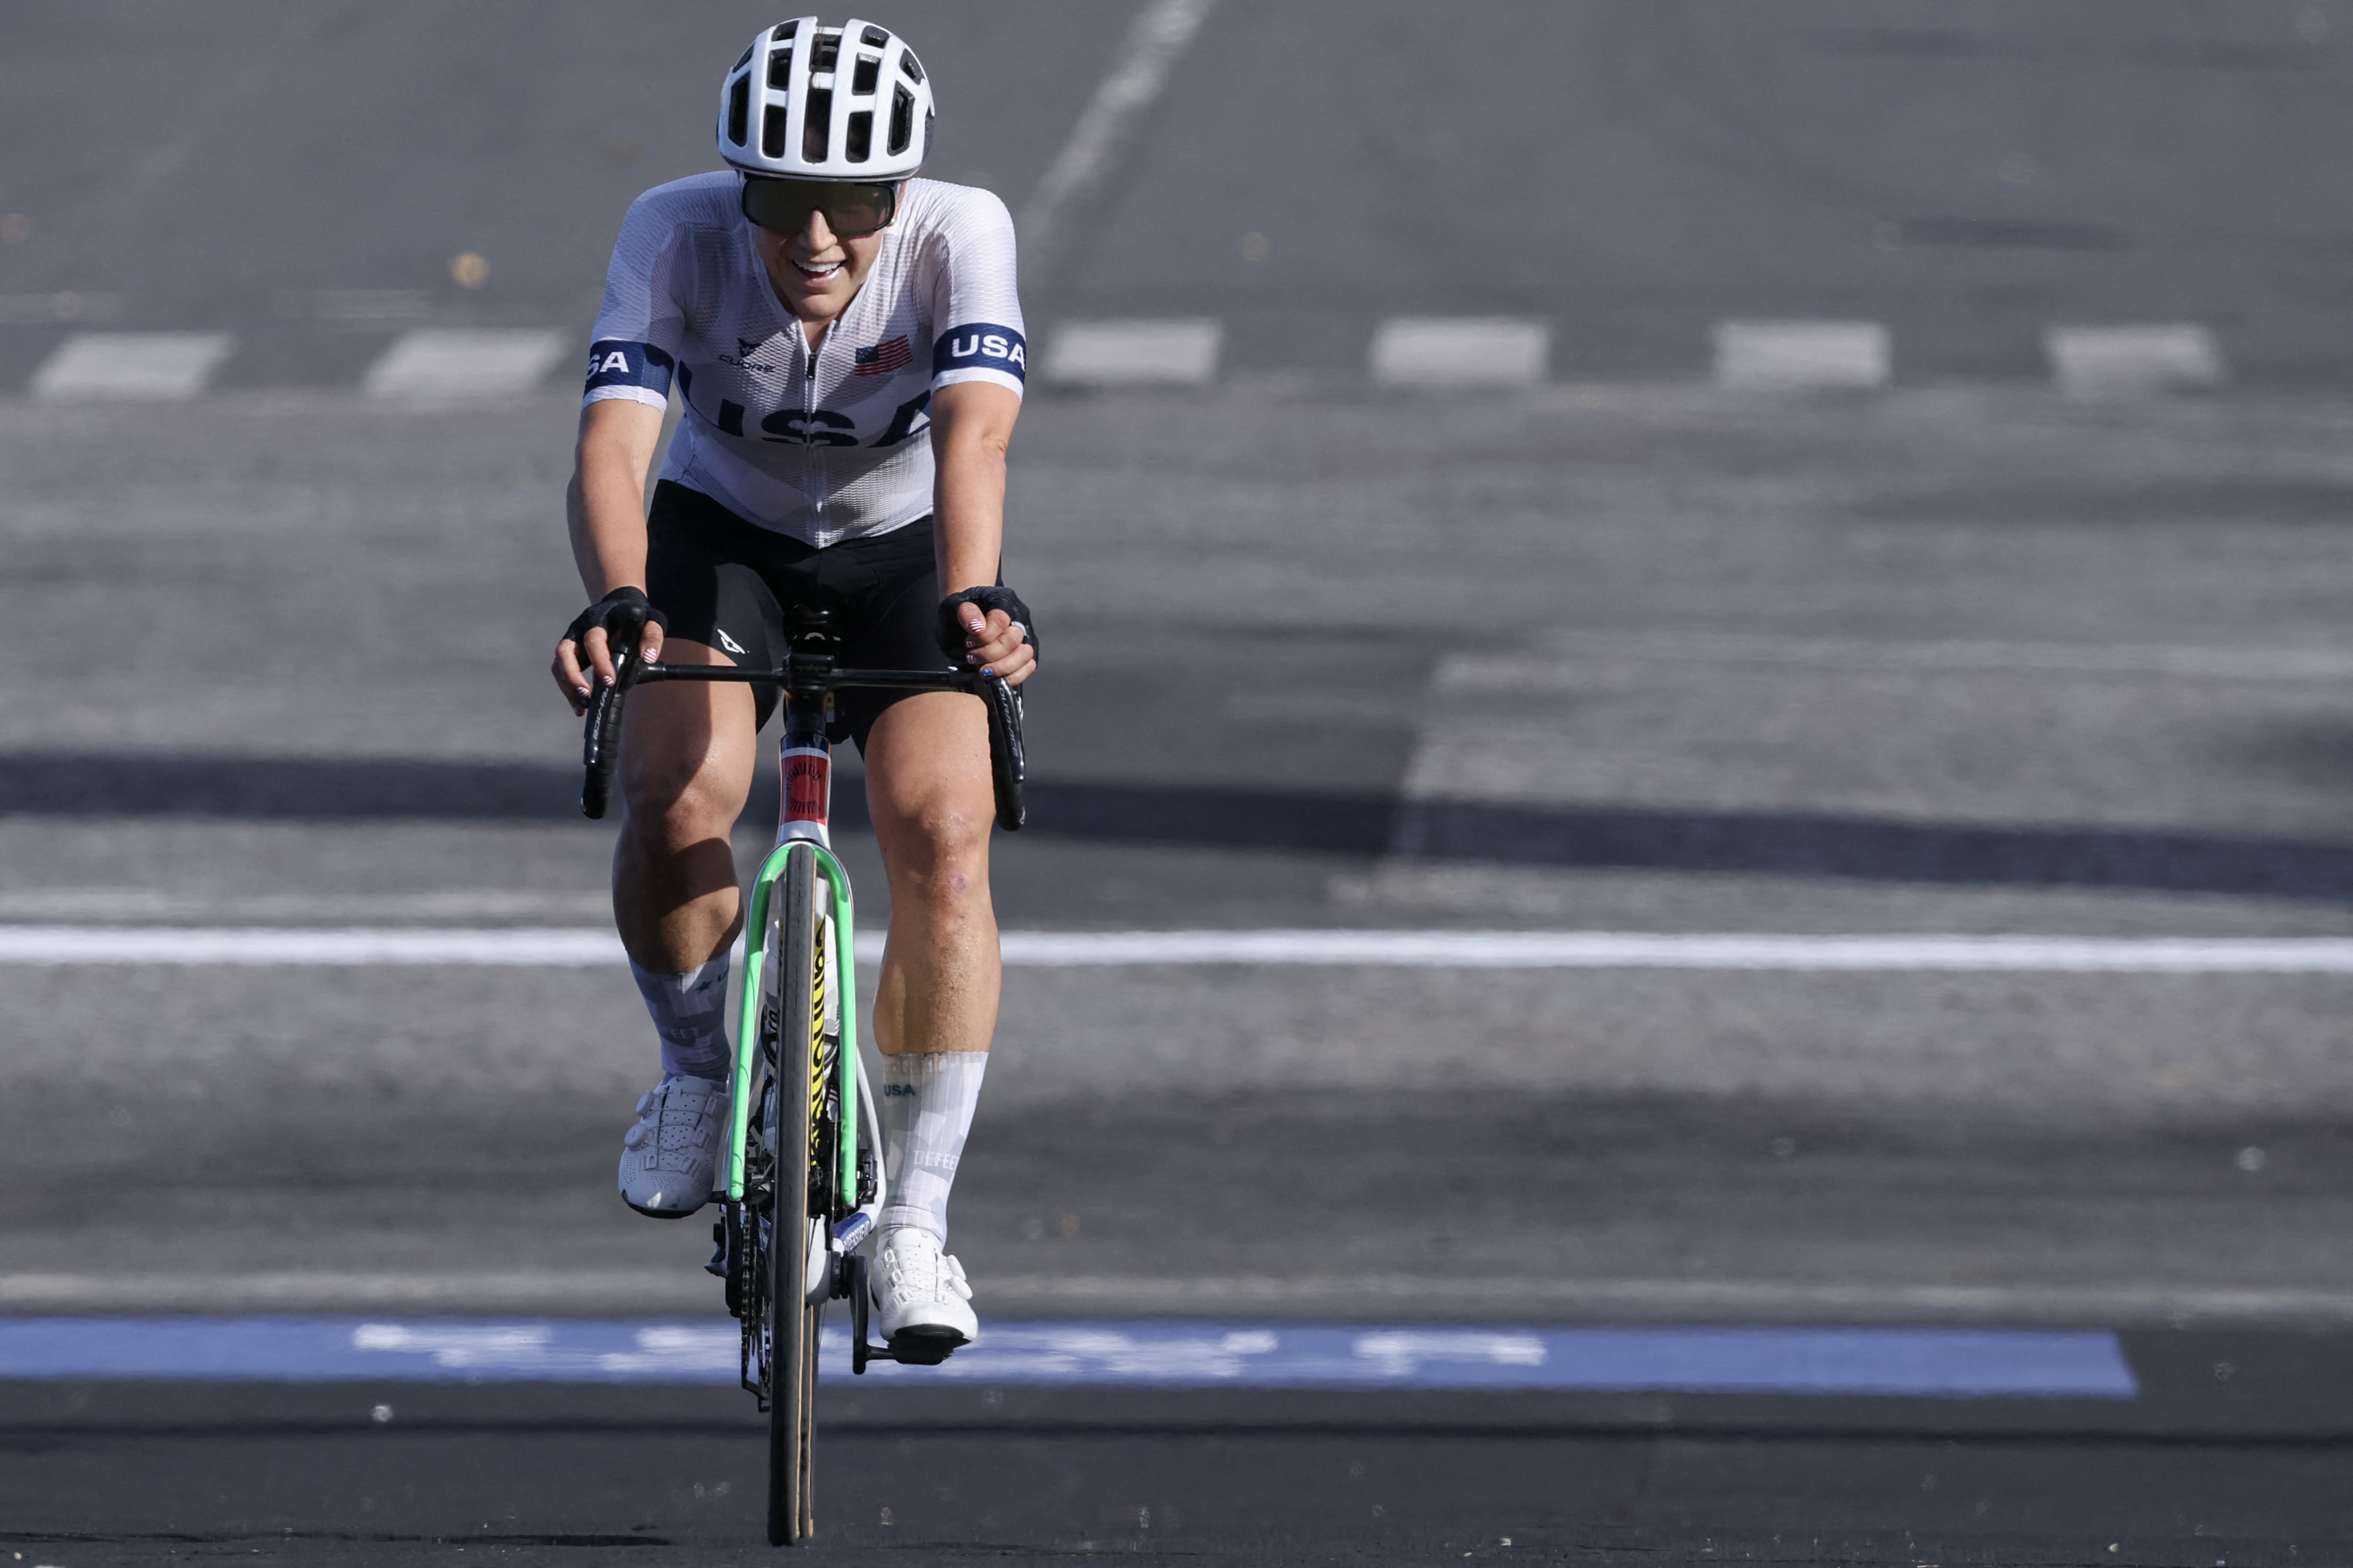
(902, 120)
(784, 31)
(861, 79)
(814, 129)
(780, 69)
(828, 49)
(873, 38)
(747, 58)
(858, 142)
(739, 111)
(913, 67)
(775, 125)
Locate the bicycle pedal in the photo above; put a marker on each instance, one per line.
(923, 1350)
(866, 1352)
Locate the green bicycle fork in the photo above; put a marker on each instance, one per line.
(747, 1029)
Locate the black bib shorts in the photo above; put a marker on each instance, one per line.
(729, 583)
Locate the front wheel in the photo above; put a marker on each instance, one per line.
(798, 1022)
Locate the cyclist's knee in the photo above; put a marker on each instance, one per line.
(941, 852)
(673, 800)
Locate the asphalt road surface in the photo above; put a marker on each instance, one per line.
(1615, 652)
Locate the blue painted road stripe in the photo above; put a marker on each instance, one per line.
(1931, 1363)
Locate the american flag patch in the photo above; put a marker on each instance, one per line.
(891, 353)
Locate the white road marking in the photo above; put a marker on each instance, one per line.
(529, 947)
(1461, 351)
(1726, 951)
(1777, 356)
(587, 1292)
(121, 906)
(560, 947)
(2133, 360)
(439, 365)
(1155, 42)
(1180, 351)
(132, 365)
(1564, 663)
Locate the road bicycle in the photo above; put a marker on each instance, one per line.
(815, 1147)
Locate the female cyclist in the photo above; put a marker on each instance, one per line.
(846, 340)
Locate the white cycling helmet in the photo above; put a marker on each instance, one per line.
(808, 102)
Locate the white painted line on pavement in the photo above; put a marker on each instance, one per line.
(1461, 351)
(1566, 663)
(1176, 350)
(558, 947)
(2133, 360)
(1787, 356)
(528, 947)
(445, 365)
(1645, 949)
(131, 365)
(1155, 42)
(586, 1292)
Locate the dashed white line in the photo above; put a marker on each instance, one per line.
(441, 365)
(2133, 360)
(1461, 351)
(1768, 356)
(571, 947)
(1148, 352)
(132, 365)
(1155, 42)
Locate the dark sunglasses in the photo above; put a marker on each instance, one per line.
(851, 210)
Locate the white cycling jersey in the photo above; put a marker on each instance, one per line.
(826, 444)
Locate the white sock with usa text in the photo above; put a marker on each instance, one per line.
(928, 1098)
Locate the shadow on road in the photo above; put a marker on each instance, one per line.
(1371, 824)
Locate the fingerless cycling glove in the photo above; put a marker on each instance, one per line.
(622, 609)
(1006, 599)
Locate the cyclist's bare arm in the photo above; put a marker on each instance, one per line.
(972, 424)
(606, 509)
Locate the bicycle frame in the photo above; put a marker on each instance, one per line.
(843, 966)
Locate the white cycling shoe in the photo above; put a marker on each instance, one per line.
(921, 1297)
(669, 1157)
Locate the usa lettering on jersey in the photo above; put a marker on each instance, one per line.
(982, 345)
(612, 363)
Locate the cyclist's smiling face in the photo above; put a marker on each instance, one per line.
(816, 272)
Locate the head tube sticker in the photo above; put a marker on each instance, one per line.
(808, 779)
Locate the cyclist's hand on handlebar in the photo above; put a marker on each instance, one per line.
(996, 644)
(991, 630)
(583, 657)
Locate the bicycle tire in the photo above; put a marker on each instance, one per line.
(793, 1321)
